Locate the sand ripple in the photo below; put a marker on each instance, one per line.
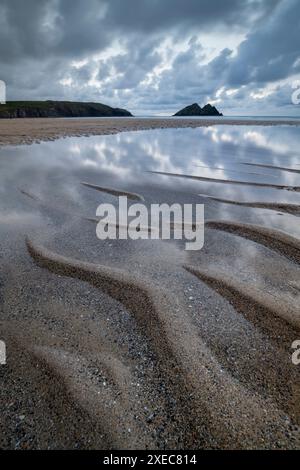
(282, 168)
(276, 240)
(211, 408)
(114, 192)
(293, 209)
(227, 181)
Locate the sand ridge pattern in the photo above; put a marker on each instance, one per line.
(276, 321)
(55, 207)
(227, 181)
(228, 170)
(96, 220)
(198, 396)
(114, 192)
(204, 410)
(293, 209)
(94, 399)
(262, 165)
(247, 298)
(275, 240)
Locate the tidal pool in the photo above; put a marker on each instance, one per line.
(54, 171)
(144, 344)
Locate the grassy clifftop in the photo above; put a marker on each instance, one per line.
(30, 109)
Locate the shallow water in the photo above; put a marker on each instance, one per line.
(53, 171)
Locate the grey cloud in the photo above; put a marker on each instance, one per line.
(32, 28)
(145, 15)
(131, 68)
(39, 39)
(269, 52)
(53, 27)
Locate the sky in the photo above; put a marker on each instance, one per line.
(153, 57)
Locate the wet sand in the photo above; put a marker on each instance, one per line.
(27, 131)
(230, 181)
(290, 170)
(121, 344)
(293, 209)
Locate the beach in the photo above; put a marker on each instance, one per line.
(27, 131)
(123, 344)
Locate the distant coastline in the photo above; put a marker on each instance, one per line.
(48, 109)
(73, 109)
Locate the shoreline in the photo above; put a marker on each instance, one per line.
(34, 130)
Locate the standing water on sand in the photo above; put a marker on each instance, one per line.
(148, 345)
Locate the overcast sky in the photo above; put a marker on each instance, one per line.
(154, 56)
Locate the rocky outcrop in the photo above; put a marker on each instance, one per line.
(196, 110)
(41, 109)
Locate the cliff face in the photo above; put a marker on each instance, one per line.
(40, 109)
(196, 110)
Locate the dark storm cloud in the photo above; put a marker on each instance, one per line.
(149, 16)
(270, 52)
(33, 28)
(40, 39)
(71, 27)
(20, 23)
